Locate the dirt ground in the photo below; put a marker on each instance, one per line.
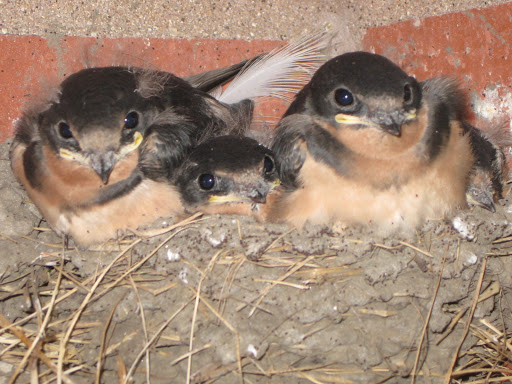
(229, 300)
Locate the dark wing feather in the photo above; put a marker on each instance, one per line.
(298, 133)
(164, 147)
(489, 160)
(289, 147)
(206, 81)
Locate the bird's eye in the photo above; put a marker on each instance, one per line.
(407, 93)
(131, 120)
(65, 131)
(268, 164)
(206, 181)
(343, 97)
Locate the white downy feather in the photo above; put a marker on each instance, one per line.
(279, 73)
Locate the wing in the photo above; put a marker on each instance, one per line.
(210, 116)
(490, 171)
(207, 81)
(225, 119)
(299, 135)
(164, 147)
(25, 152)
(289, 146)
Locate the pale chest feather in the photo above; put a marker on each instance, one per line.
(422, 189)
(63, 194)
(147, 202)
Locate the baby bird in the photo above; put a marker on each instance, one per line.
(227, 175)
(364, 143)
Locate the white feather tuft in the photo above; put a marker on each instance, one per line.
(279, 73)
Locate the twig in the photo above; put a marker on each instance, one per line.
(137, 265)
(427, 320)
(9, 238)
(277, 239)
(84, 303)
(188, 354)
(144, 328)
(104, 340)
(417, 249)
(194, 314)
(452, 325)
(153, 339)
(41, 330)
(232, 329)
(267, 289)
(448, 376)
(161, 231)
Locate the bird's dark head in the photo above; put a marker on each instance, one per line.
(227, 170)
(360, 90)
(98, 119)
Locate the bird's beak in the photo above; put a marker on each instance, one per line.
(352, 120)
(259, 194)
(103, 164)
(394, 121)
(220, 199)
(137, 140)
(67, 154)
(255, 195)
(258, 197)
(481, 198)
(392, 125)
(393, 128)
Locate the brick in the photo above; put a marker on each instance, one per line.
(474, 46)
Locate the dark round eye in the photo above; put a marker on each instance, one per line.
(65, 131)
(268, 164)
(343, 97)
(131, 120)
(206, 181)
(407, 93)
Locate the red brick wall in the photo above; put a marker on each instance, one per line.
(474, 46)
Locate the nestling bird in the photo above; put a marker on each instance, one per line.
(364, 143)
(97, 158)
(227, 175)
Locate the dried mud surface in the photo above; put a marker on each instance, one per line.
(279, 305)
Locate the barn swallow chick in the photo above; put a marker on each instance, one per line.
(364, 143)
(227, 175)
(96, 160)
